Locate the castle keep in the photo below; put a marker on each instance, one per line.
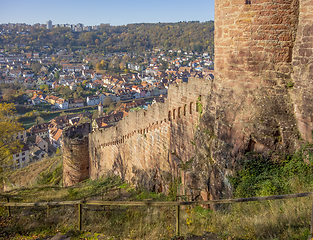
(261, 100)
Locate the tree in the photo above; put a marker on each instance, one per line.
(39, 120)
(163, 66)
(99, 66)
(58, 151)
(107, 101)
(8, 94)
(57, 75)
(44, 87)
(9, 128)
(36, 67)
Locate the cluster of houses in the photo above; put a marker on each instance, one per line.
(43, 139)
(111, 118)
(34, 149)
(115, 88)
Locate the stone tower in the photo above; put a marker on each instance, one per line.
(254, 43)
(100, 109)
(303, 70)
(75, 154)
(251, 105)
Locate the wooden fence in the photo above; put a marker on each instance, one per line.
(176, 204)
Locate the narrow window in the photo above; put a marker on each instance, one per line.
(185, 107)
(174, 113)
(248, 1)
(179, 110)
(169, 115)
(191, 107)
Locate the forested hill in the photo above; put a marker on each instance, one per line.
(186, 36)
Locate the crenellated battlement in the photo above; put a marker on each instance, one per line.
(142, 143)
(146, 147)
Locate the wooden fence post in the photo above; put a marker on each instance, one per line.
(311, 228)
(79, 216)
(177, 219)
(48, 210)
(8, 208)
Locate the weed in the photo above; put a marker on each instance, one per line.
(199, 106)
(262, 176)
(290, 84)
(187, 165)
(51, 178)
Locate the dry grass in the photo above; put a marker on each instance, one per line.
(279, 219)
(28, 176)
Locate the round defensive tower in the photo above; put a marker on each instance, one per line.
(75, 154)
(255, 37)
(251, 106)
(303, 71)
(254, 42)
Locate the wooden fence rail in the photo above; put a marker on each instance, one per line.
(177, 205)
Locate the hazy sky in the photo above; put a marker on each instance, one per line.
(115, 12)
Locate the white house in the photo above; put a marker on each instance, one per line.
(21, 159)
(21, 135)
(61, 103)
(55, 139)
(73, 86)
(28, 74)
(93, 100)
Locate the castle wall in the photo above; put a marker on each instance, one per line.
(147, 146)
(251, 105)
(75, 154)
(303, 70)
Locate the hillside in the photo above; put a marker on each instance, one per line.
(187, 36)
(31, 175)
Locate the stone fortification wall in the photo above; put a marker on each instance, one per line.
(147, 146)
(75, 154)
(251, 105)
(303, 70)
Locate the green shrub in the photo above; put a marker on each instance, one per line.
(51, 178)
(262, 176)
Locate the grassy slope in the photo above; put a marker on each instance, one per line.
(280, 219)
(28, 176)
